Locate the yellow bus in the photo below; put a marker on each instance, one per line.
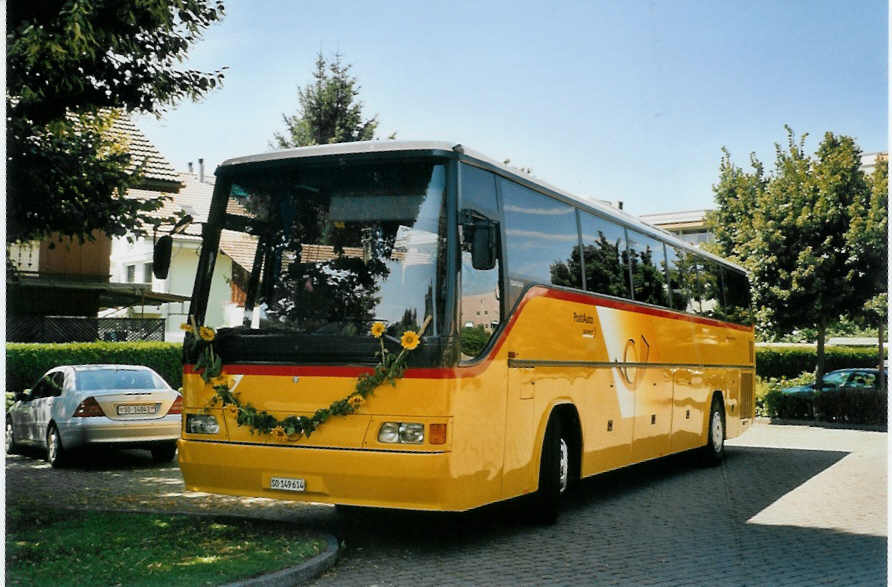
(564, 338)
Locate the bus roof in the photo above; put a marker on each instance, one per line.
(466, 154)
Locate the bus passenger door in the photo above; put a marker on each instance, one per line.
(520, 432)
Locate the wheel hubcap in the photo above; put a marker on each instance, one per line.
(718, 435)
(564, 466)
(51, 446)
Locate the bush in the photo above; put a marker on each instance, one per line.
(473, 340)
(855, 406)
(26, 362)
(776, 362)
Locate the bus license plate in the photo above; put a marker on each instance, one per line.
(287, 484)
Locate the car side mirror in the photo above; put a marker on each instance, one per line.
(161, 256)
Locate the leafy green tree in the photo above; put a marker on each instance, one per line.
(791, 233)
(868, 260)
(736, 194)
(69, 65)
(328, 111)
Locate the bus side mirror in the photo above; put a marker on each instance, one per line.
(161, 257)
(483, 246)
(480, 236)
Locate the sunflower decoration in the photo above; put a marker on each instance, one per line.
(206, 334)
(187, 327)
(230, 411)
(221, 380)
(410, 340)
(293, 428)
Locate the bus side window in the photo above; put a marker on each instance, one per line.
(542, 240)
(711, 299)
(737, 297)
(604, 249)
(480, 311)
(681, 267)
(648, 275)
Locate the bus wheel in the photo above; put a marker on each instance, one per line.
(714, 451)
(554, 472)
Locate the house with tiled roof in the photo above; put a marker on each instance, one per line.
(70, 281)
(131, 262)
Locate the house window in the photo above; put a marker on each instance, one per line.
(131, 273)
(147, 273)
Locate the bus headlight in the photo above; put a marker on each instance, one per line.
(401, 432)
(389, 432)
(412, 433)
(201, 424)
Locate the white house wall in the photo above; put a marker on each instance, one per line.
(180, 280)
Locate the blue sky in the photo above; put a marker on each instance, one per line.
(626, 101)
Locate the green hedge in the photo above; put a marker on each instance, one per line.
(26, 362)
(791, 361)
(846, 406)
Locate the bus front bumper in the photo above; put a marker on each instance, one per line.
(393, 479)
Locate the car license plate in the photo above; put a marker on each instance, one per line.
(287, 484)
(138, 409)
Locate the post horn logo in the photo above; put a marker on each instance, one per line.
(634, 356)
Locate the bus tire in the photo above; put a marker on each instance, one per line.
(554, 472)
(714, 451)
(164, 453)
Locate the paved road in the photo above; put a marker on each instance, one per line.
(790, 506)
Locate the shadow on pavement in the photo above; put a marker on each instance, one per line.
(91, 459)
(668, 520)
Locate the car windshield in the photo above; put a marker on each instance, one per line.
(99, 379)
(836, 378)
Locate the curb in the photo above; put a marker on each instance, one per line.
(299, 574)
(821, 424)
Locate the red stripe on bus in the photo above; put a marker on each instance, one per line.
(632, 307)
(324, 371)
(477, 368)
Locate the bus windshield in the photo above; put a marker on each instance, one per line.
(328, 249)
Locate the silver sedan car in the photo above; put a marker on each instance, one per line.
(126, 406)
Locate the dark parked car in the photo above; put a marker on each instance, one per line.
(854, 379)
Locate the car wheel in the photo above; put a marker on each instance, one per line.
(554, 472)
(55, 453)
(11, 446)
(714, 451)
(164, 453)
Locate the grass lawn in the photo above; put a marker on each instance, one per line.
(61, 547)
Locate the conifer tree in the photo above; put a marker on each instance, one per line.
(328, 111)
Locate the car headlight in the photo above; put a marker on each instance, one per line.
(201, 424)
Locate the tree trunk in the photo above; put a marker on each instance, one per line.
(819, 369)
(881, 376)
